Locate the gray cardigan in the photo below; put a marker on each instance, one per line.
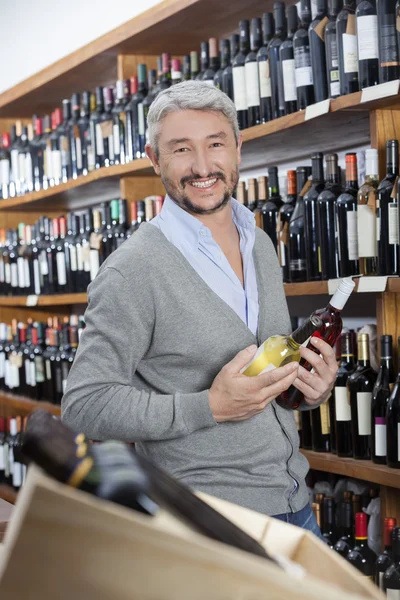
(156, 337)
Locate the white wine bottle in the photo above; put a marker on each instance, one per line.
(279, 350)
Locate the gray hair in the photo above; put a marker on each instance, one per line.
(189, 95)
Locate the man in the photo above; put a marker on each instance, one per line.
(178, 311)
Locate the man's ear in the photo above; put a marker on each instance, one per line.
(151, 153)
(239, 148)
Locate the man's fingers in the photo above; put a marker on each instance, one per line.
(318, 363)
(276, 375)
(241, 359)
(326, 351)
(273, 390)
(309, 392)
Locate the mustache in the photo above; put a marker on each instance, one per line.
(216, 174)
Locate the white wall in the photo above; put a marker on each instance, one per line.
(36, 33)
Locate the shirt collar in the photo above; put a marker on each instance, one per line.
(193, 228)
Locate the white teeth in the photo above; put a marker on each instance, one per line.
(203, 184)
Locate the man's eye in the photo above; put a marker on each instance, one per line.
(216, 144)
(182, 150)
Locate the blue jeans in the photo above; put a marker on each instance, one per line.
(304, 518)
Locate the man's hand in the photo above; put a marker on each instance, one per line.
(237, 397)
(317, 386)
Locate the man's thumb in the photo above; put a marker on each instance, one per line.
(242, 358)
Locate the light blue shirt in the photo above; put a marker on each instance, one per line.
(197, 245)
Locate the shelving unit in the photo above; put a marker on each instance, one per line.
(169, 26)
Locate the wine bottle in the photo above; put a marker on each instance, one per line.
(134, 112)
(297, 248)
(366, 216)
(264, 73)
(251, 193)
(318, 52)
(344, 446)
(284, 215)
(213, 63)
(227, 76)
(321, 428)
(251, 75)
(306, 432)
(194, 65)
(311, 220)
(326, 218)
(391, 578)
(38, 165)
(330, 331)
(360, 385)
(204, 61)
(15, 181)
(331, 47)
(346, 529)
(361, 556)
(393, 424)
(119, 123)
(387, 213)
(347, 47)
(64, 141)
(367, 43)
(346, 206)
(328, 529)
(279, 350)
(278, 99)
(302, 58)
(225, 52)
(385, 560)
(287, 62)
(261, 199)
(271, 207)
(106, 127)
(74, 137)
(84, 134)
(380, 399)
(239, 75)
(176, 73)
(389, 64)
(5, 166)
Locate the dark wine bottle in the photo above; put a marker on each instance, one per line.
(331, 47)
(328, 529)
(284, 216)
(287, 62)
(204, 59)
(214, 62)
(346, 529)
(225, 52)
(389, 63)
(347, 46)
(227, 77)
(297, 248)
(346, 206)
(119, 122)
(251, 72)
(321, 428)
(261, 200)
(239, 75)
(318, 52)
(311, 220)
(194, 64)
(302, 58)
(393, 424)
(385, 560)
(344, 445)
(251, 193)
(387, 213)
(272, 206)
(326, 219)
(391, 578)
(367, 43)
(366, 216)
(361, 556)
(264, 73)
(278, 99)
(360, 385)
(380, 399)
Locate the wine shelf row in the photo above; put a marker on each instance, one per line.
(11, 404)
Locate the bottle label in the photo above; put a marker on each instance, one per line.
(28, 170)
(73, 258)
(265, 79)
(289, 80)
(14, 275)
(39, 369)
(32, 375)
(378, 229)
(2, 271)
(56, 164)
(21, 271)
(17, 475)
(239, 88)
(44, 267)
(334, 56)
(78, 147)
(364, 413)
(393, 223)
(36, 277)
(366, 230)
(2, 365)
(352, 236)
(48, 163)
(116, 140)
(61, 269)
(48, 370)
(14, 166)
(392, 594)
(252, 85)
(7, 273)
(380, 436)
(5, 171)
(27, 274)
(298, 264)
(94, 263)
(64, 146)
(27, 371)
(325, 420)
(350, 53)
(342, 406)
(303, 69)
(79, 257)
(282, 253)
(99, 140)
(367, 37)
(388, 41)
(21, 166)
(2, 464)
(335, 85)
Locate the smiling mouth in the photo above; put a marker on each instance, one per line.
(203, 184)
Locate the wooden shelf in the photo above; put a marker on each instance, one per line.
(11, 404)
(349, 467)
(84, 187)
(313, 288)
(56, 300)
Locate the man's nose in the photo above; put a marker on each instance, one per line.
(202, 164)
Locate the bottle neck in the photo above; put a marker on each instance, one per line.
(317, 170)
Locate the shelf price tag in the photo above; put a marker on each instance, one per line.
(317, 110)
(383, 90)
(372, 284)
(32, 300)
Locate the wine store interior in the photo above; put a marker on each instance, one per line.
(200, 300)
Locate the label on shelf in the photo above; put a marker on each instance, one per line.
(31, 300)
(372, 284)
(317, 110)
(364, 413)
(380, 436)
(342, 405)
(383, 90)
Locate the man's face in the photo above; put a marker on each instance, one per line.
(197, 159)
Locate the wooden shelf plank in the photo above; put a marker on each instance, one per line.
(83, 187)
(349, 467)
(313, 288)
(20, 405)
(56, 300)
